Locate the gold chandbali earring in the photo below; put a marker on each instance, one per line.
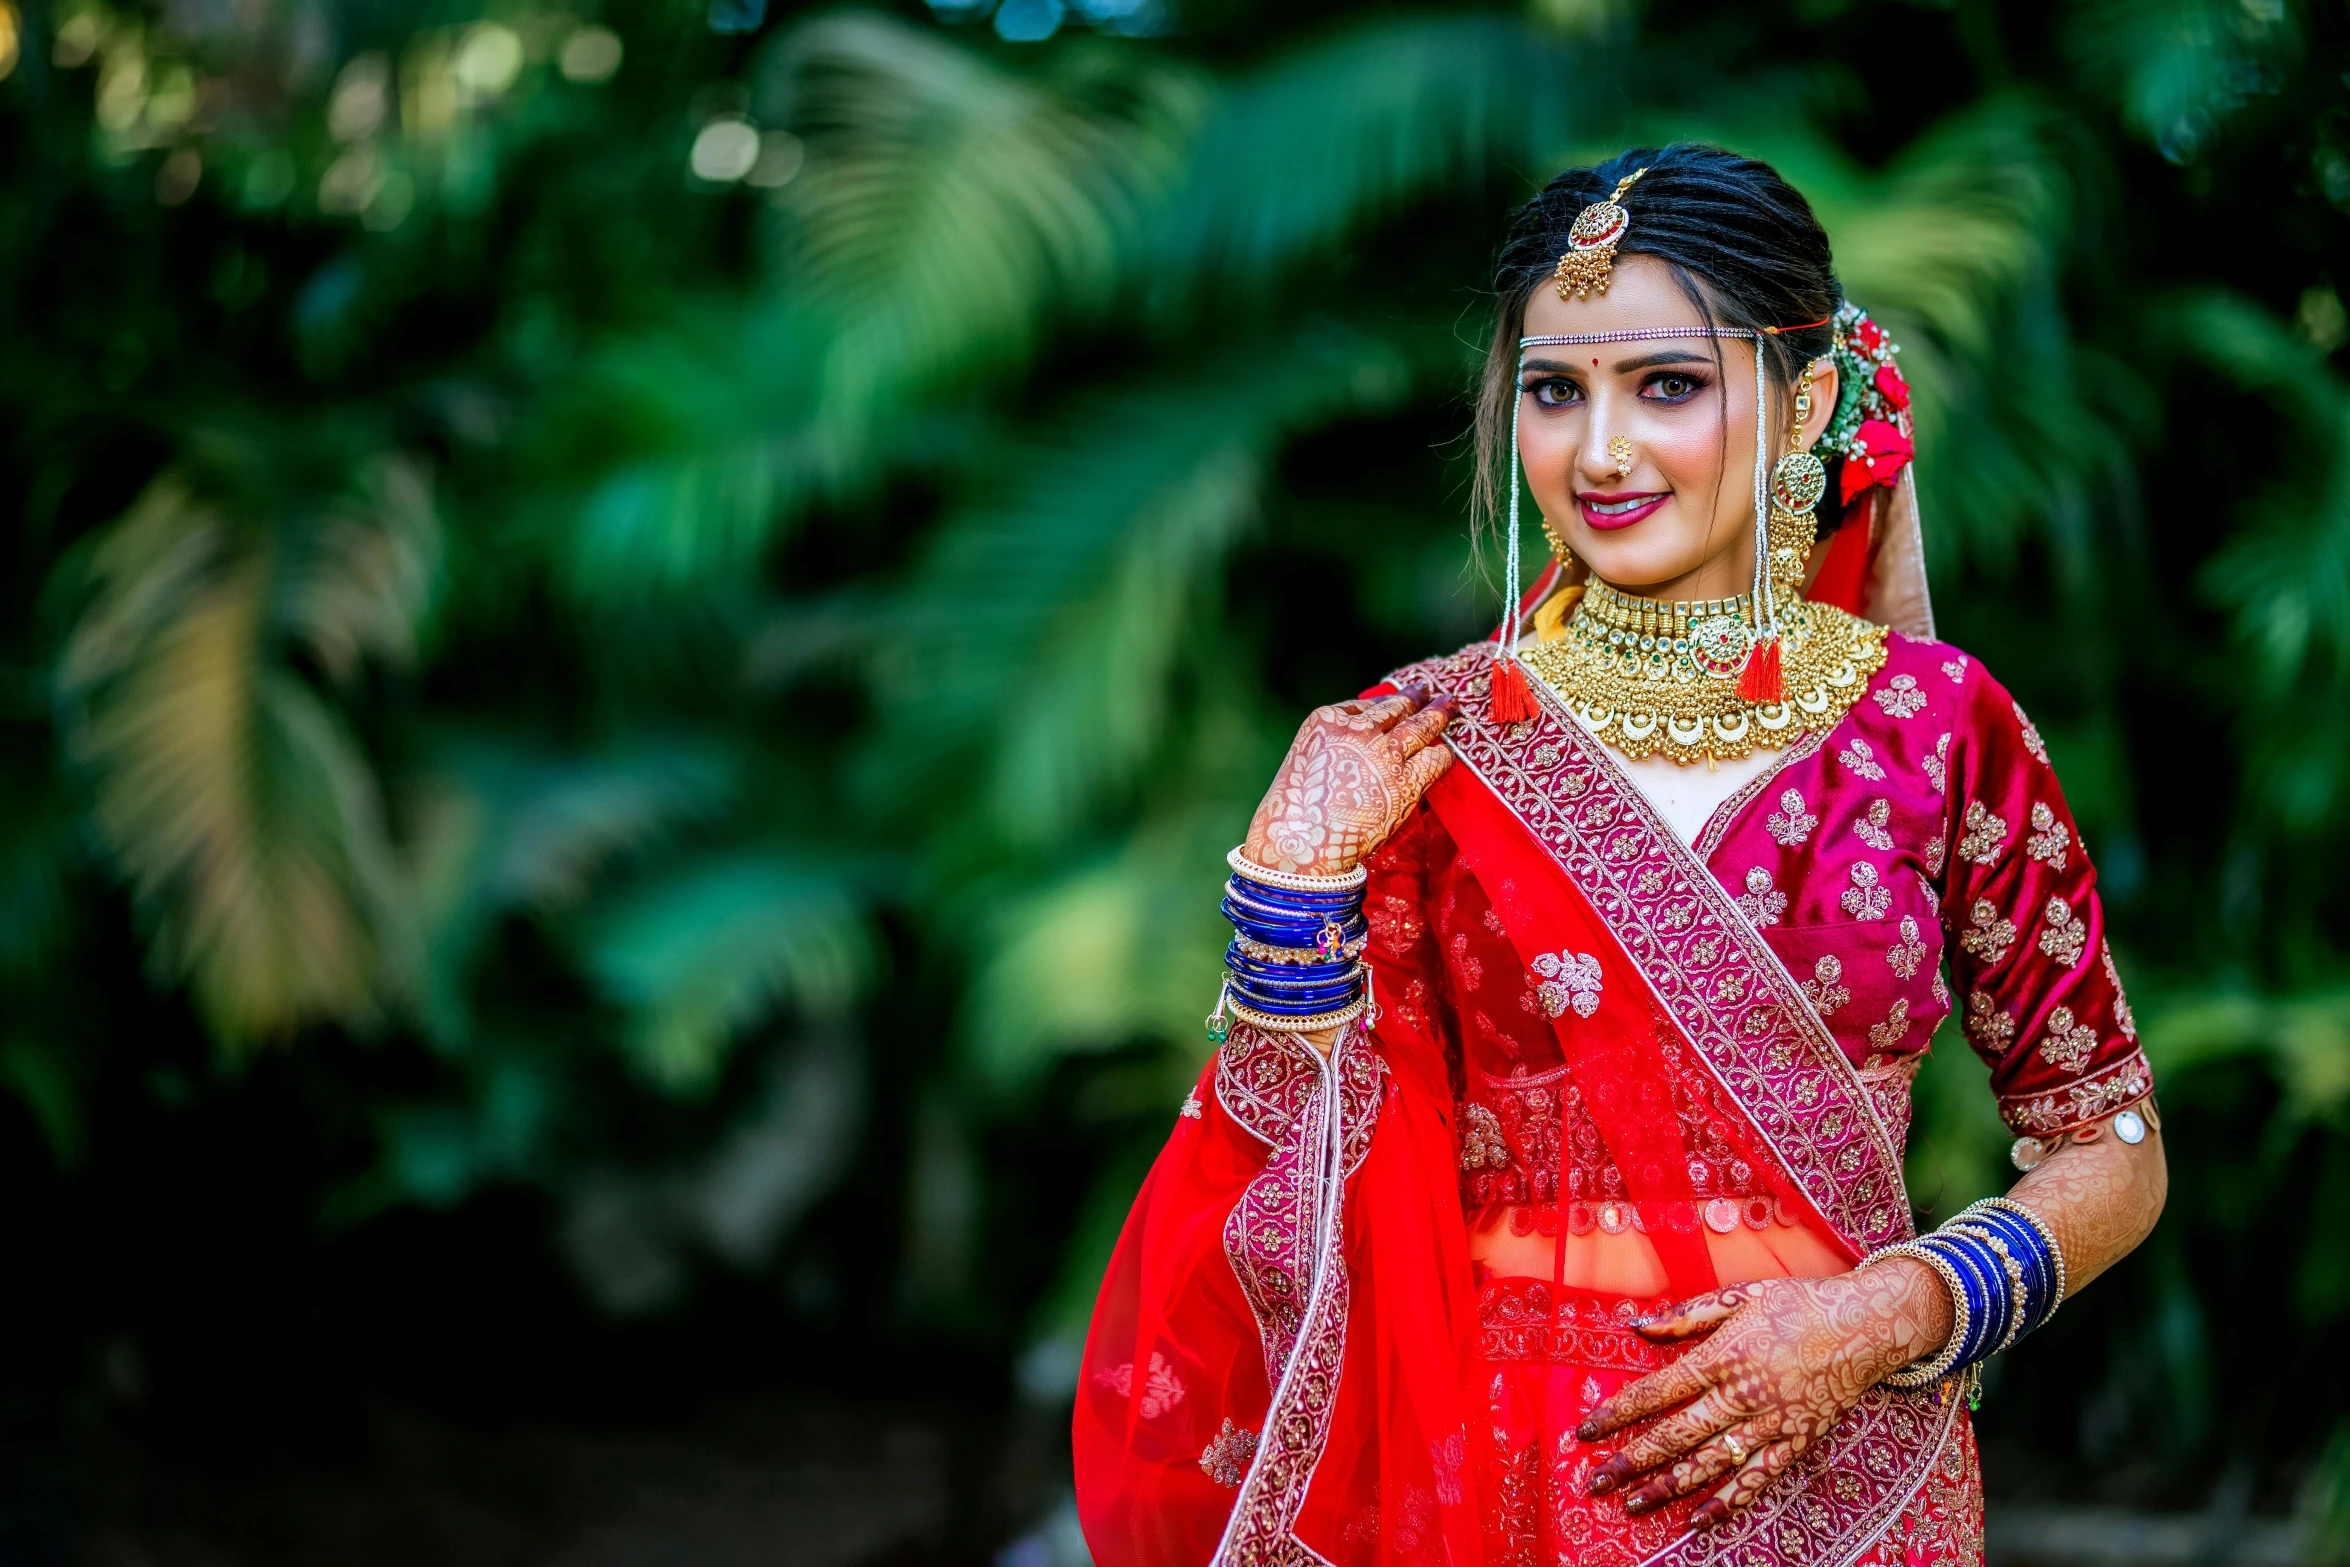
(1798, 480)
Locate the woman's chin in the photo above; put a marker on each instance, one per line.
(1637, 570)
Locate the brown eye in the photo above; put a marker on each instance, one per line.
(1673, 388)
(1556, 394)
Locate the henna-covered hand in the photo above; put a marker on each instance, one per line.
(1354, 770)
(1783, 1361)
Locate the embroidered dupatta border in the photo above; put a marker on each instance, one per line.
(1735, 1001)
(1286, 1243)
(1709, 967)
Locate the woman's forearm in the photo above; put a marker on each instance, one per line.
(2099, 1199)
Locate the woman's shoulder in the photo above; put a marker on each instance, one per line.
(1957, 688)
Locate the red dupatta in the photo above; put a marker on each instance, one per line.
(1283, 1366)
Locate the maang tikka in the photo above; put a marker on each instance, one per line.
(1590, 259)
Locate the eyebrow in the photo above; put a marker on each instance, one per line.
(1667, 356)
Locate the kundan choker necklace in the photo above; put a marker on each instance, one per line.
(1657, 677)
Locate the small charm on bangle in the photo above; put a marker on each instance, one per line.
(2027, 1153)
(2130, 1127)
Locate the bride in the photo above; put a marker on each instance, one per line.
(1542, 1203)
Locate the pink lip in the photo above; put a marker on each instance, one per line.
(1608, 522)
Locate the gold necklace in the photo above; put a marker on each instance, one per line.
(1656, 677)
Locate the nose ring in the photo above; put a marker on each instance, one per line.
(1620, 448)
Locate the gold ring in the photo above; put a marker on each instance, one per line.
(1735, 1446)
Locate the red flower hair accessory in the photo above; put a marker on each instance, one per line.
(1871, 428)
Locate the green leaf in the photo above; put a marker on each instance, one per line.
(701, 955)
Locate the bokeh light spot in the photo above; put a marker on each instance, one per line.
(176, 179)
(726, 150)
(1028, 21)
(362, 93)
(489, 59)
(737, 16)
(590, 54)
(780, 156)
(11, 38)
(77, 41)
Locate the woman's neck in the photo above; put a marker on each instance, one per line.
(1719, 578)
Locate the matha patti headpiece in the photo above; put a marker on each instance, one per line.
(1591, 243)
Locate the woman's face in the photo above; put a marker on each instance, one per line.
(1672, 515)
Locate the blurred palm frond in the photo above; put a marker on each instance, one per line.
(224, 783)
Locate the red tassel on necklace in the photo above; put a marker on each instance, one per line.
(1761, 679)
(1512, 700)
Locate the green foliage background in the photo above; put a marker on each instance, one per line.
(698, 716)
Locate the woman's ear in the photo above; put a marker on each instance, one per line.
(1825, 384)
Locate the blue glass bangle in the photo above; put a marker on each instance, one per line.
(1240, 912)
(2000, 1311)
(1286, 994)
(2030, 1249)
(1272, 1009)
(1296, 987)
(1986, 1302)
(1299, 902)
(1281, 933)
(1317, 983)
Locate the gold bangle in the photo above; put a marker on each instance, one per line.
(1299, 1025)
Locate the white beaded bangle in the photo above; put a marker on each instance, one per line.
(1295, 881)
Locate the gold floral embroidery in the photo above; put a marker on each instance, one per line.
(1934, 853)
(1986, 1025)
(1926, 883)
(1956, 669)
(1871, 827)
(1988, 936)
(1901, 698)
(1483, 1147)
(1564, 980)
(1939, 990)
(2121, 1003)
(1861, 760)
(1790, 823)
(1905, 955)
(1937, 766)
(1192, 1108)
(1864, 899)
(2032, 741)
(2049, 838)
(2082, 1101)
(2066, 933)
(1493, 924)
(1762, 902)
(1226, 1459)
(2068, 1045)
(1885, 1035)
(1986, 834)
(1823, 988)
